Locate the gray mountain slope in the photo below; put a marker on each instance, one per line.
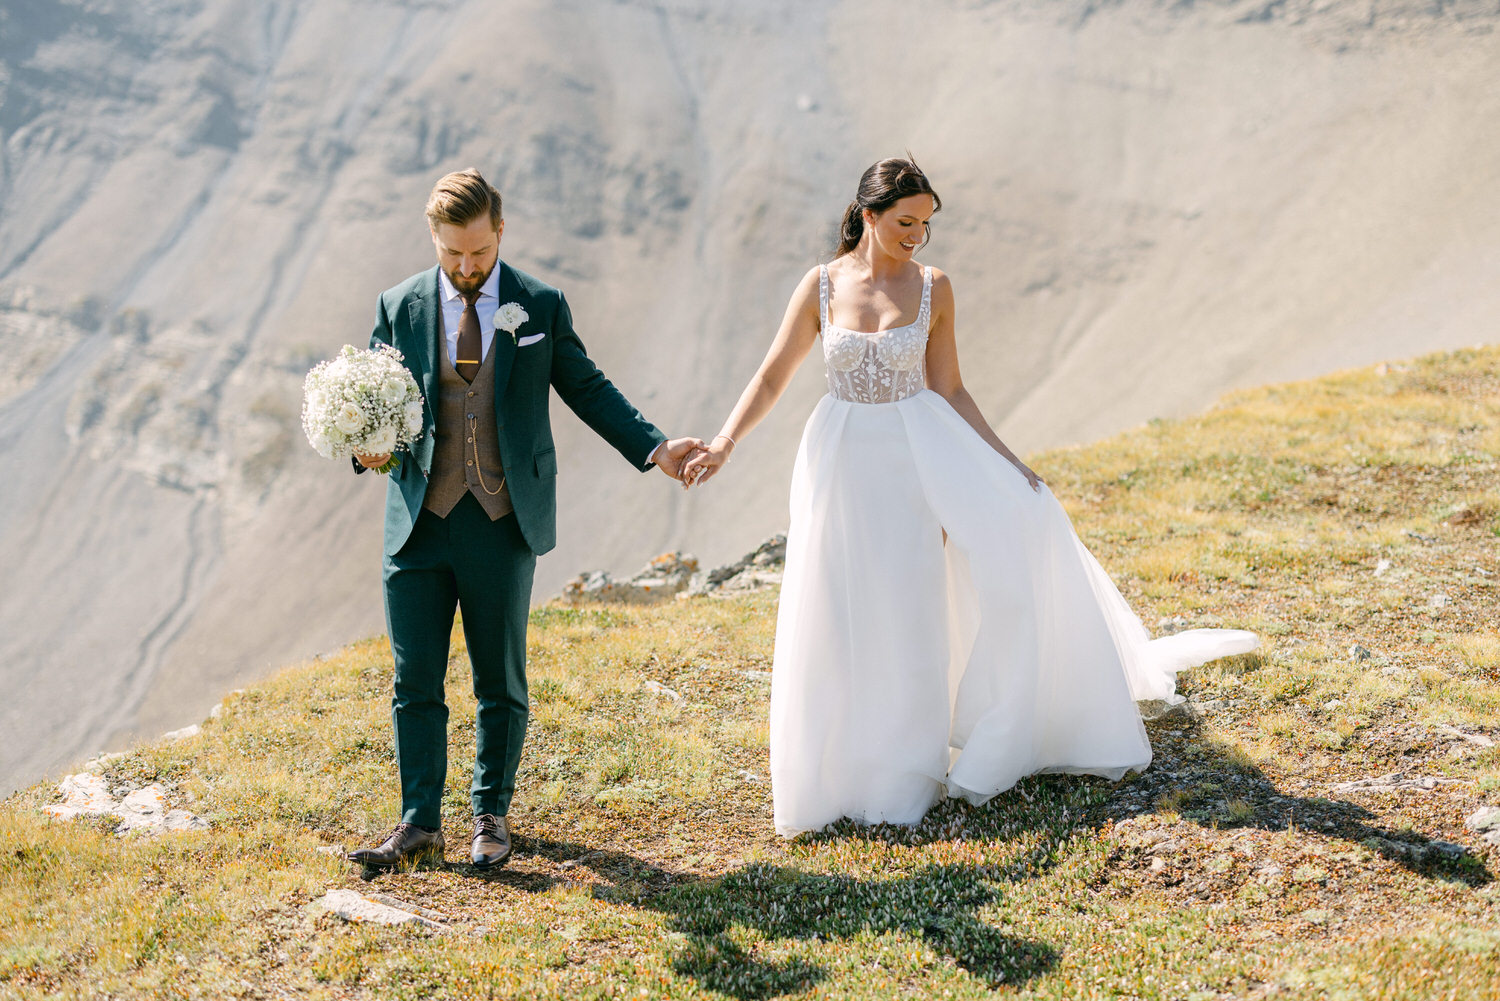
(1145, 204)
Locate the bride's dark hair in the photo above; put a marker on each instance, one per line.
(881, 186)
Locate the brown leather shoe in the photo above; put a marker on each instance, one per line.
(491, 845)
(407, 842)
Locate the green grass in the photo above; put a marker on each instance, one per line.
(1352, 521)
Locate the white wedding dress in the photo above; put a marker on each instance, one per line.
(906, 667)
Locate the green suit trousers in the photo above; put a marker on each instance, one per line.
(483, 568)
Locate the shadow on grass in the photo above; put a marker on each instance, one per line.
(1210, 784)
(939, 903)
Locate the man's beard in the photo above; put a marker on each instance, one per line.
(473, 283)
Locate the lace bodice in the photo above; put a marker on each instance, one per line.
(879, 367)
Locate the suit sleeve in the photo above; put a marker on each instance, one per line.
(380, 335)
(594, 398)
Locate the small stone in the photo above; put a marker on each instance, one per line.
(1396, 782)
(1479, 740)
(335, 850)
(1159, 711)
(1486, 818)
(353, 906)
(1438, 601)
(186, 732)
(1359, 652)
(1381, 566)
(98, 764)
(1158, 864)
(660, 689)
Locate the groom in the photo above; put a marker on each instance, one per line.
(471, 507)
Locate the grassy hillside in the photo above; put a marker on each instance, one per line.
(1352, 521)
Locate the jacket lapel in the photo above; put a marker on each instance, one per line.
(425, 314)
(503, 347)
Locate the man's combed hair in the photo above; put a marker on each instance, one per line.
(461, 197)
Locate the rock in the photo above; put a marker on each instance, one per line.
(1477, 739)
(754, 570)
(98, 764)
(1160, 711)
(1158, 864)
(664, 577)
(660, 689)
(1438, 601)
(1486, 821)
(184, 733)
(1396, 782)
(1444, 850)
(753, 674)
(1381, 566)
(86, 795)
(1359, 653)
(1167, 625)
(351, 905)
(337, 851)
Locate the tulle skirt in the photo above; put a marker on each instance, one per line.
(908, 667)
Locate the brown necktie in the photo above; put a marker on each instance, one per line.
(470, 346)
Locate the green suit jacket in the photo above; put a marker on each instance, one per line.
(409, 317)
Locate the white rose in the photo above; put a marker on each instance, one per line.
(381, 442)
(510, 316)
(413, 418)
(323, 445)
(349, 419)
(394, 390)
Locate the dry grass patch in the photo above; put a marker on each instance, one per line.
(1351, 521)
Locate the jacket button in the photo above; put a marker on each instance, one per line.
(471, 392)
(470, 440)
(469, 462)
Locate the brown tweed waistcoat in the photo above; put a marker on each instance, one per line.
(454, 472)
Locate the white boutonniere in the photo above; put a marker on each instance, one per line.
(509, 318)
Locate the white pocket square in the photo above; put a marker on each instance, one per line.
(529, 339)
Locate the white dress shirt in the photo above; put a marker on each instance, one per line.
(485, 306)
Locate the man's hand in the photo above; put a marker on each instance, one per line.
(373, 461)
(671, 454)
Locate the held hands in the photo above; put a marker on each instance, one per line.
(373, 461)
(707, 461)
(669, 457)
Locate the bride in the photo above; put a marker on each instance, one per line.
(941, 628)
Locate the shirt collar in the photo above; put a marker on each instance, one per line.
(491, 286)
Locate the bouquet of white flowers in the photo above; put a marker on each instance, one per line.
(361, 401)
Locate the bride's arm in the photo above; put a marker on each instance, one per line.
(799, 330)
(944, 379)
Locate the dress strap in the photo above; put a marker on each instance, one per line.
(926, 308)
(822, 296)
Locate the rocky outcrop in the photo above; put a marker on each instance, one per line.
(674, 574)
(142, 811)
